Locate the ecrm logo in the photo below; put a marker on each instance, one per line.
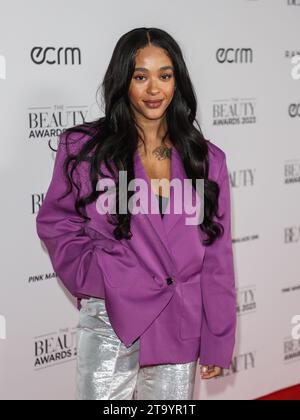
(296, 69)
(2, 67)
(2, 328)
(53, 55)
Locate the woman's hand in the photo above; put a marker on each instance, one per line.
(210, 371)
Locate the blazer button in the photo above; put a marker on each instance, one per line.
(169, 280)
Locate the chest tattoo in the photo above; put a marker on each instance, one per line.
(162, 152)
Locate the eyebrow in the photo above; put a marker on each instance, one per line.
(161, 68)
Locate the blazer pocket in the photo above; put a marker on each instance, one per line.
(191, 310)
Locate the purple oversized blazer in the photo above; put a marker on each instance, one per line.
(162, 286)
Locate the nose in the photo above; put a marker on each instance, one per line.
(152, 87)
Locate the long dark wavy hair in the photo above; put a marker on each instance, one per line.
(114, 137)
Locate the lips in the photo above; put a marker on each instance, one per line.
(153, 104)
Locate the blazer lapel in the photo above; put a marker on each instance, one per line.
(175, 210)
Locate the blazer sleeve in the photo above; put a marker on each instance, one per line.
(218, 288)
(74, 255)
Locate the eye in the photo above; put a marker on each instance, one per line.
(168, 75)
(136, 77)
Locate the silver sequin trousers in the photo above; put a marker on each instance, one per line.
(108, 370)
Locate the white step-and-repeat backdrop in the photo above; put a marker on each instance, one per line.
(244, 60)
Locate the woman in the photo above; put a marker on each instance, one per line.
(155, 291)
